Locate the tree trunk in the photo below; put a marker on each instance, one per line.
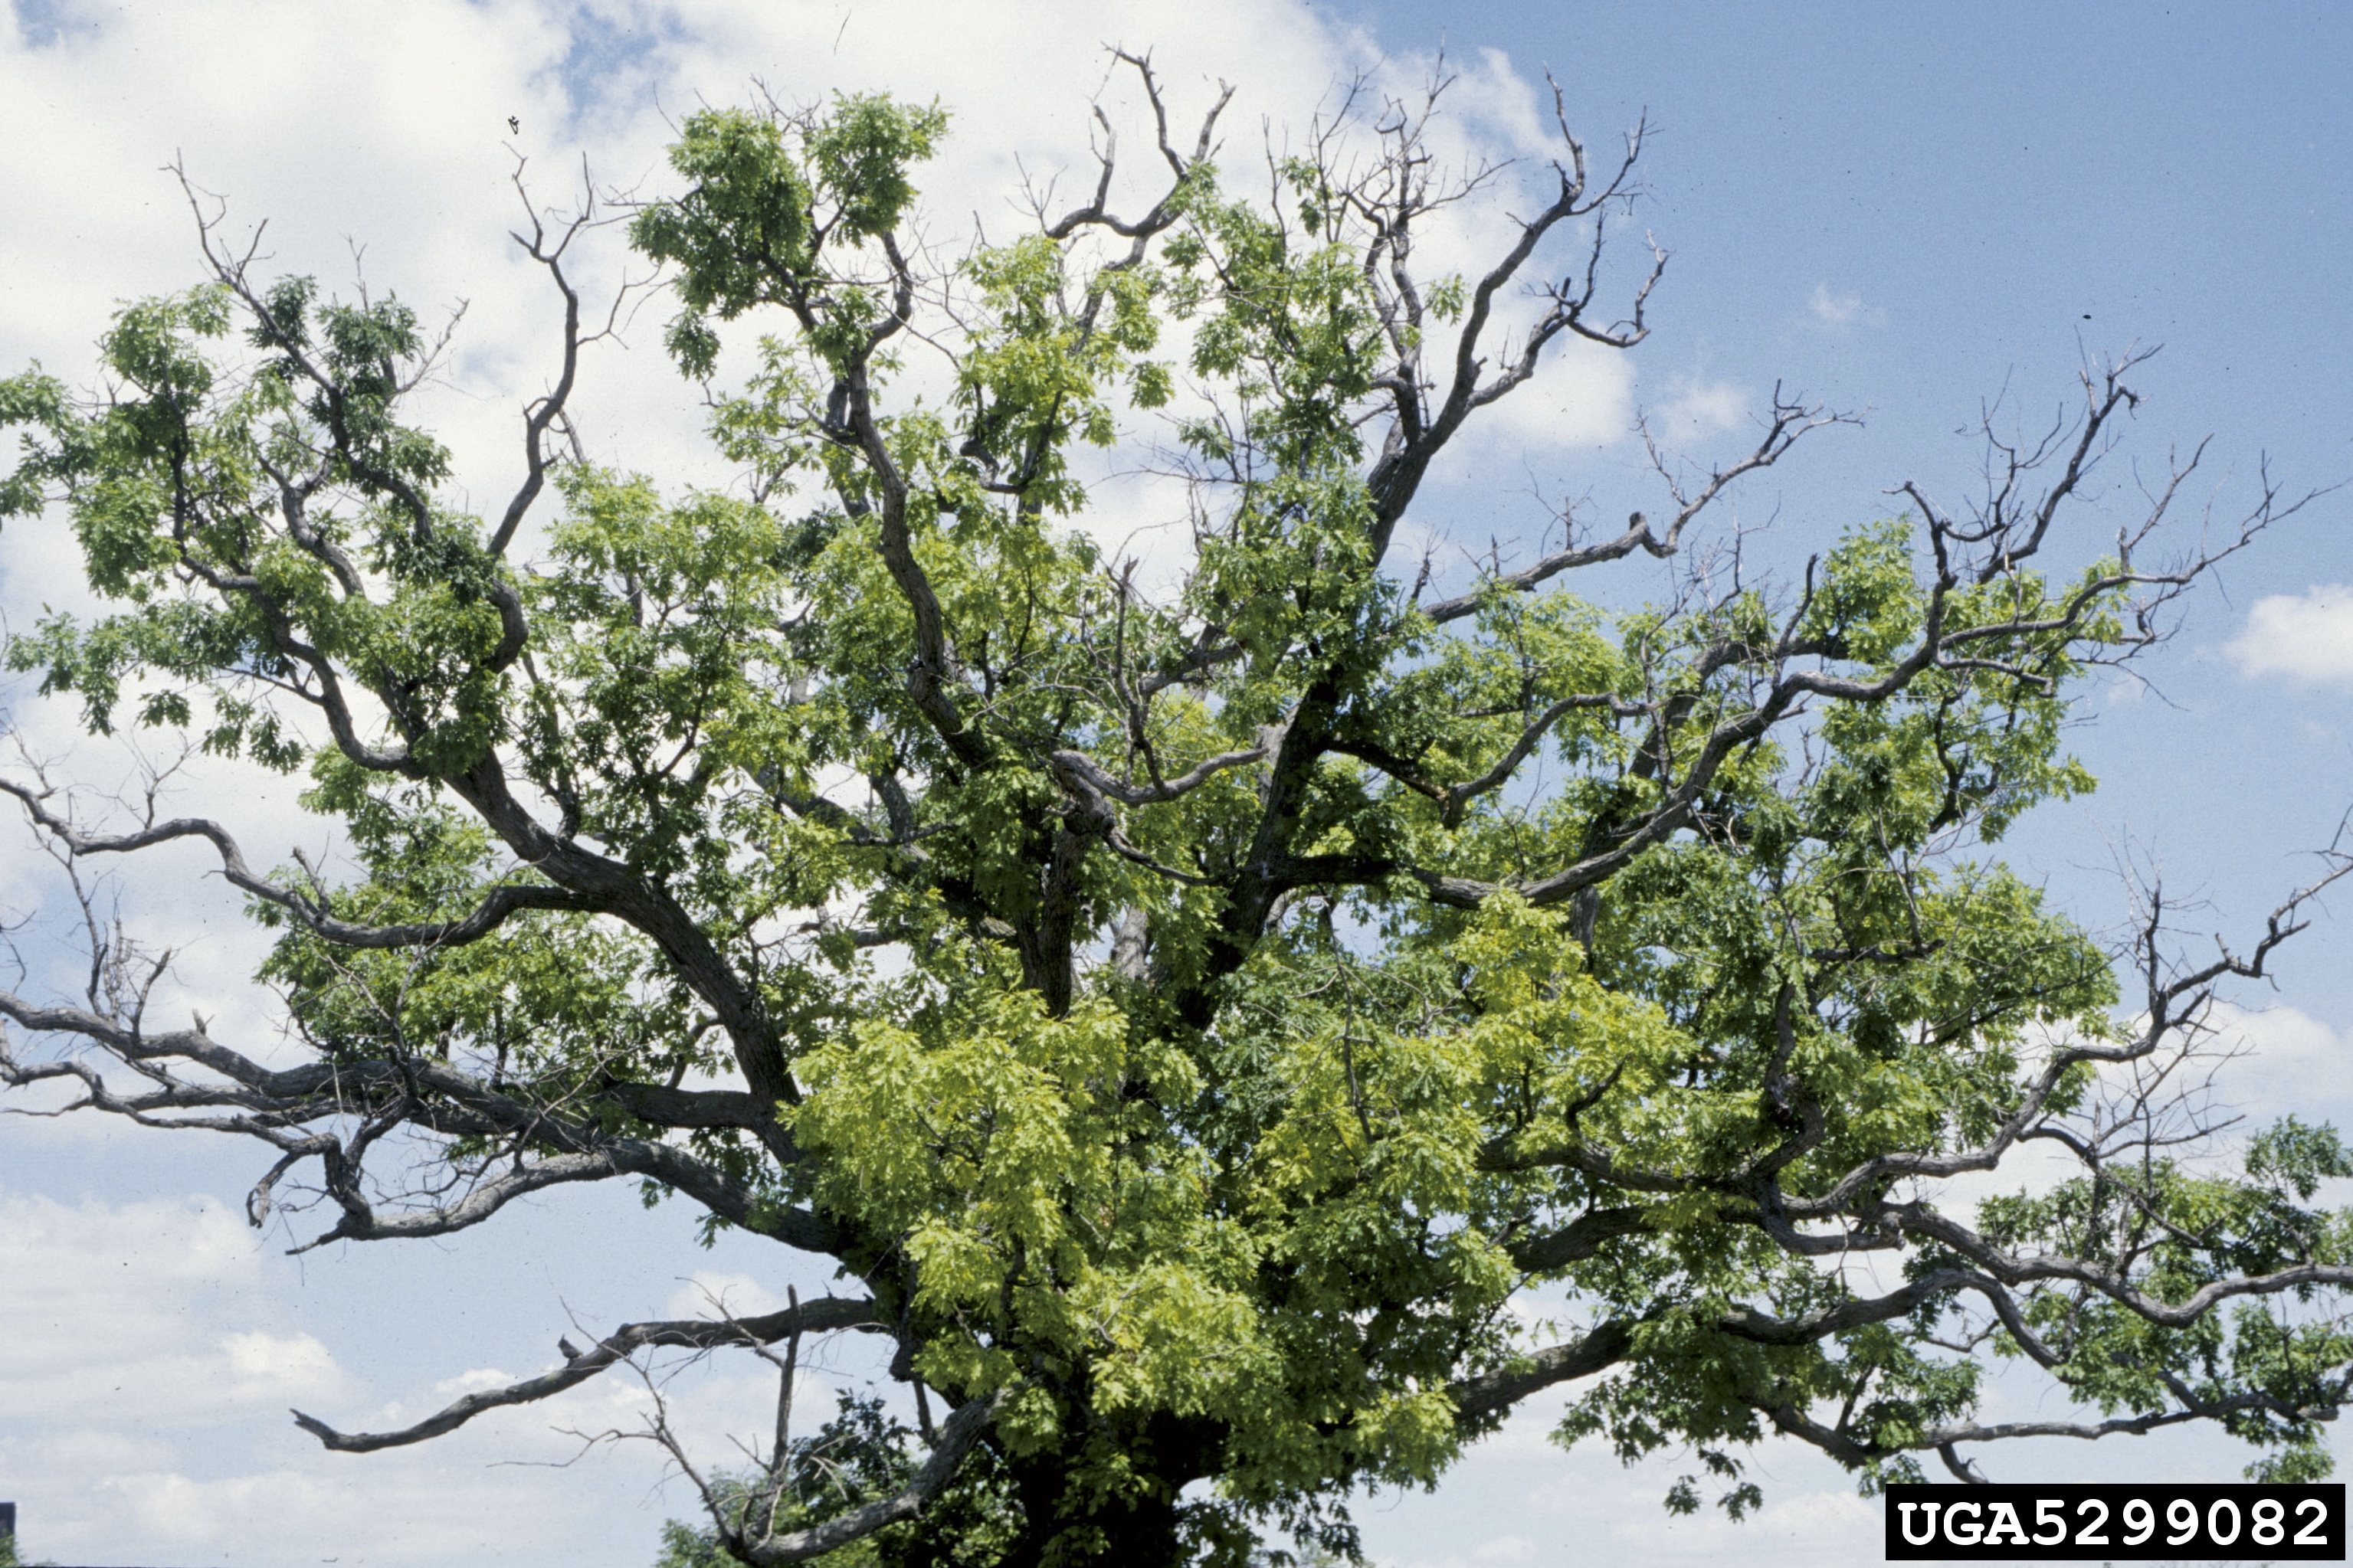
(1072, 1526)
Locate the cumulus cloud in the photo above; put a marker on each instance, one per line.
(143, 1311)
(1696, 408)
(1585, 398)
(435, 1513)
(709, 1293)
(2284, 1061)
(149, 1350)
(1582, 1504)
(1843, 307)
(2307, 636)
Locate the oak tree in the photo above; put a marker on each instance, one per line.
(1195, 1011)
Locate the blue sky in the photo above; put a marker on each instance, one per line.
(1898, 211)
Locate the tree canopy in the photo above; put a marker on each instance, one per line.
(1255, 1022)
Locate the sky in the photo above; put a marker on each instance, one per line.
(1923, 215)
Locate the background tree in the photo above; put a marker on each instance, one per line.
(1193, 1017)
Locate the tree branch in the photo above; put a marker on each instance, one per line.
(826, 1312)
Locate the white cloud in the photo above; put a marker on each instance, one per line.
(1843, 307)
(274, 1367)
(1698, 408)
(709, 1293)
(473, 1380)
(149, 1350)
(1582, 398)
(2285, 1061)
(1835, 1525)
(143, 1313)
(442, 1514)
(1519, 1498)
(2309, 636)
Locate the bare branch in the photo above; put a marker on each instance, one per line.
(496, 907)
(826, 1312)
